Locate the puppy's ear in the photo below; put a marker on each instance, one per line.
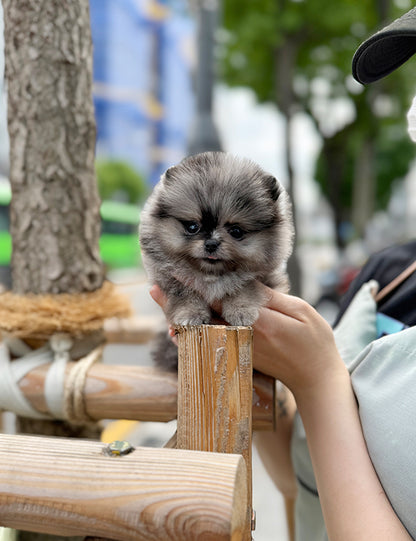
(273, 187)
(169, 175)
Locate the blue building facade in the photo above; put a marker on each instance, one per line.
(143, 91)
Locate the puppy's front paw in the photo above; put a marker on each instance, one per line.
(188, 310)
(240, 316)
(192, 320)
(185, 317)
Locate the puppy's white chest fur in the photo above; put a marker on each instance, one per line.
(211, 287)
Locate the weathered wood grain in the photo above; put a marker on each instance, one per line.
(67, 487)
(215, 393)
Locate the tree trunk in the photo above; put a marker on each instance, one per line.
(285, 100)
(333, 155)
(364, 188)
(55, 222)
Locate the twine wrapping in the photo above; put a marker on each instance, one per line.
(64, 395)
(74, 400)
(40, 316)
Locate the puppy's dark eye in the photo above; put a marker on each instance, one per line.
(192, 227)
(236, 232)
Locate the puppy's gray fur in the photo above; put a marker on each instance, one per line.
(213, 227)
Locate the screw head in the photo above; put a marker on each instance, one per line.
(119, 448)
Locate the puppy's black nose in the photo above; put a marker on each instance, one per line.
(211, 245)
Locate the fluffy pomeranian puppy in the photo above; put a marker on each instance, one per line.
(214, 226)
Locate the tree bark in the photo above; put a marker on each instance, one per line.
(333, 154)
(55, 222)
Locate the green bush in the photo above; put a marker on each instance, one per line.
(116, 176)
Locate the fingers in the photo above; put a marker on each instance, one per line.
(280, 303)
(285, 304)
(161, 299)
(158, 296)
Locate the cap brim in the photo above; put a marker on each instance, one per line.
(387, 50)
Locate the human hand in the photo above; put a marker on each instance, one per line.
(160, 298)
(294, 344)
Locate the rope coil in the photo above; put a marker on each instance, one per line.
(66, 322)
(41, 316)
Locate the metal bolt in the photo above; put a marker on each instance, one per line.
(118, 448)
(253, 520)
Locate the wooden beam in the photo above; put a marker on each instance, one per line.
(65, 487)
(215, 393)
(132, 330)
(115, 392)
(140, 393)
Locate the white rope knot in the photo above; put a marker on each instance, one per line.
(64, 396)
(60, 344)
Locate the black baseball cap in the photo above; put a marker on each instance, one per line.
(386, 50)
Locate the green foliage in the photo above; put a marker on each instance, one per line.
(259, 32)
(115, 176)
(283, 48)
(394, 152)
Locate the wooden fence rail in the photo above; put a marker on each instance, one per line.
(140, 393)
(66, 487)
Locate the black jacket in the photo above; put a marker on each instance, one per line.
(384, 266)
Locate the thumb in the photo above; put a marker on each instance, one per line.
(158, 296)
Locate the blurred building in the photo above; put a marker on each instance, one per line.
(143, 95)
(143, 92)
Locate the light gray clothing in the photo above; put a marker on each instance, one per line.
(383, 375)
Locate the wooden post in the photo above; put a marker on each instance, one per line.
(215, 393)
(65, 487)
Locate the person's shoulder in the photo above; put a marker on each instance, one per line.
(386, 264)
(383, 266)
(404, 252)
